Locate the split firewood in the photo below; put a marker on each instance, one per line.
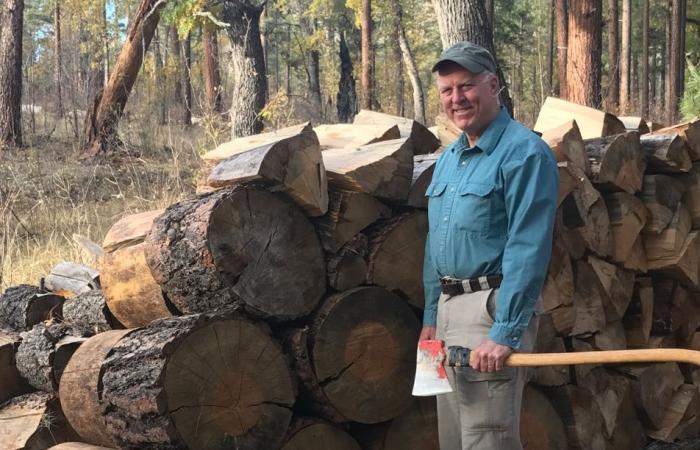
(415, 429)
(681, 412)
(669, 242)
(689, 132)
(88, 314)
(356, 360)
(665, 153)
(348, 213)
(588, 300)
(424, 141)
(347, 268)
(609, 391)
(638, 317)
(628, 216)
(617, 163)
(585, 213)
(77, 446)
(132, 294)
(33, 422)
(591, 122)
(130, 230)
(567, 145)
(69, 279)
(558, 287)
(571, 177)
(618, 286)
(635, 123)
(611, 337)
(11, 382)
(346, 135)
(691, 198)
(399, 242)
(423, 166)
(447, 130)
(238, 246)
(682, 266)
(167, 384)
(637, 258)
(581, 415)
(316, 434)
(669, 304)
(80, 388)
(564, 319)
(292, 164)
(549, 342)
(383, 169)
(43, 354)
(570, 238)
(541, 426)
(653, 386)
(23, 306)
(661, 195)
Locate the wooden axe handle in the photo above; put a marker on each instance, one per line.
(605, 357)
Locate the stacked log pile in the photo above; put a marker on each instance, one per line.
(280, 308)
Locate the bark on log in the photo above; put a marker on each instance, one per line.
(348, 268)
(43, 354)
(399, 242)
(617, 162)
(591, 122)
(33, 422)
(348, 214)
(689, 133)
(80, 390)
(383, 169)
(628, 216)
(23, 306)
(691, 198)
(239, 245)
(315, 434)
(423, 166)
(359, 361)
(567, 145)
(197, 382)
(424, 141)
(11, 382)
(88, 314)
(130, 289)
(661, 195)
(292, 164)
(69, 279)
(351, 136)
(130, 230)
(665, 153)
(541, 427)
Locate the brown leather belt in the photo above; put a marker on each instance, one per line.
(454, 286)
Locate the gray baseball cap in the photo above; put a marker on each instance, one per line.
(472, 57)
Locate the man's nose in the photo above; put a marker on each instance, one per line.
(456, 97)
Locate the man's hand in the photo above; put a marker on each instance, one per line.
(427, 333)
(489, 356)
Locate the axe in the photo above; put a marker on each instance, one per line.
(431, 377)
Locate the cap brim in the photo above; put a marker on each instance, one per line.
(472, 67)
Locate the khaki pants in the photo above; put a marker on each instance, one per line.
(483, 411)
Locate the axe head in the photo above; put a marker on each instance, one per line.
(431, 378)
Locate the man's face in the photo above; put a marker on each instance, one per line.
(469, 100)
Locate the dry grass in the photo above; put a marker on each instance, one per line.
(46, 195)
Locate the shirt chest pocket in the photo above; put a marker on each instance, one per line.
(473, 207)
(435, 193)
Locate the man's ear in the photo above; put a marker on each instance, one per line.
(494, 85)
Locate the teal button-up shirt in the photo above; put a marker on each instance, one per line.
(491, 210)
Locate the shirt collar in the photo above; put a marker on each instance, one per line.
(490, 137)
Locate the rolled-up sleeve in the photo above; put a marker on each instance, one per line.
(530, 195)
(431, 287)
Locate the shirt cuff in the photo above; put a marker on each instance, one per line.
(505, 335)
(429, 318)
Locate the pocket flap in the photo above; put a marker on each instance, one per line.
(435, 189)
(479, 189)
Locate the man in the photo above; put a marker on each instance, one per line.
(491, 211)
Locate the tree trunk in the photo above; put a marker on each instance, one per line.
(186, 79)
(583, 53)
(312, 61)
(613, 59)
(175, 60)
(625, 57)
(212, 75)
(57, 56)
(468, 20)
(550, 50)
(160, 77)
(347, 97)
(11, 27)
(367, 50)
(398, 68)
(411, 68)
(644, 76)
(248, 61)
(675, 63)
(103, 119)
(561, 9)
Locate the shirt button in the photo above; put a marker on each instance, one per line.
(463, 162)
(452, 190)
(445, 219)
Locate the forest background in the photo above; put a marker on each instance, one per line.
(323, 61)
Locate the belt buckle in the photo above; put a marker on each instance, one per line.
(450, 280)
